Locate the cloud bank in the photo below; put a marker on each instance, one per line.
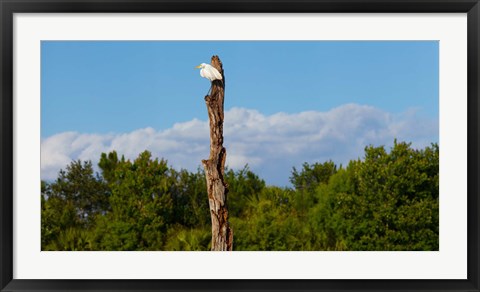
(270, 144)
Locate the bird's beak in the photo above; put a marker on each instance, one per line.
(198, 67)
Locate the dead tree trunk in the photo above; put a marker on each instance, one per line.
(222, 234)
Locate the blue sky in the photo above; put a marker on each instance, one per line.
(110, 89)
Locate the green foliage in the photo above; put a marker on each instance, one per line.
(190, 199)
(182, 239)
(243, 186)
(389, 200)
(393, 204)
(71, 204)
(312, 175)
(141, 203)
(271, 222)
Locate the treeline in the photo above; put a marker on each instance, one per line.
(386, 201)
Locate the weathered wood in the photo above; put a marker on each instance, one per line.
(222, 234)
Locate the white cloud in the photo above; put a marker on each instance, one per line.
(271, 145)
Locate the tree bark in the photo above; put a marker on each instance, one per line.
(222, 234)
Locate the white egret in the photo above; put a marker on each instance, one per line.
(209, 72)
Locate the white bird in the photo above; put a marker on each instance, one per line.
(209, 72)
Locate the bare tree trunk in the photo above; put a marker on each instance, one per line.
(222, 234)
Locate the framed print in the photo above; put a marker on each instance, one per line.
(209, 145)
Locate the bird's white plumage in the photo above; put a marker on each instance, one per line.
(209, 72)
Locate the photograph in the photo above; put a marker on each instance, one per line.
(239, 145)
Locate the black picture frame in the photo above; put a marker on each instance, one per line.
(9, 7)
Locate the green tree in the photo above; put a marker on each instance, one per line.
(386, 201)
(190, 199)
(141, 204)
(393, 204)
(86, 192)
(183, 239)
(272, 222)
(243, 185)
(312, 175)
(70, 205)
